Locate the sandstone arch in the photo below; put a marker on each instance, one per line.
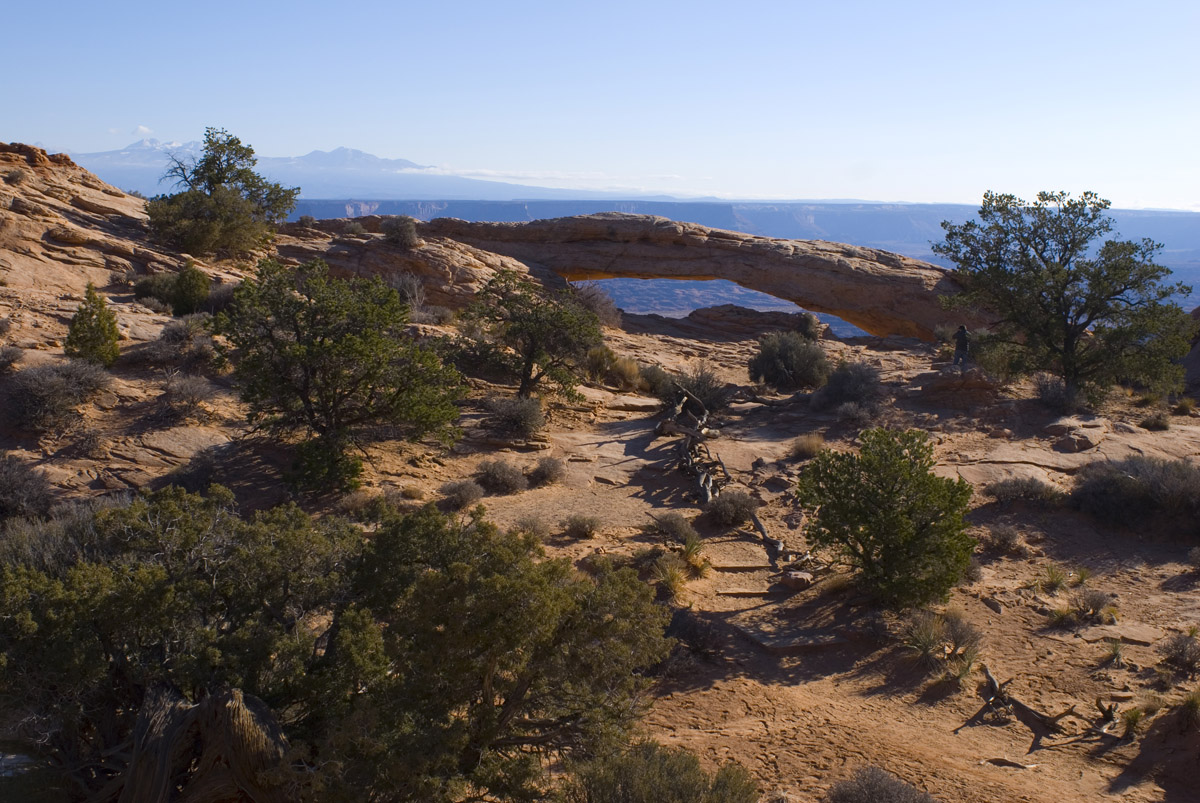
(878, 291)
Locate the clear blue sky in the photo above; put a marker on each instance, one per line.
(881, 100)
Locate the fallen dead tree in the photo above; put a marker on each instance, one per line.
(997, 698)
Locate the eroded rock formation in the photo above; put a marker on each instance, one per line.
(881, 292)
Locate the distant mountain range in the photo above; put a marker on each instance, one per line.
(349, 183)
(340, 173)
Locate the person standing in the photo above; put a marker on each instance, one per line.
(962, 340)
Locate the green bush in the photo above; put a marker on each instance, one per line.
(659, 383)
(650, 773)
(579, 526)
(401, 230)
(24, 490)
(189, 291)
(787, 361)
(850, 382)
(884, 510)
(872, 785)
(675, 527)
(93, 334)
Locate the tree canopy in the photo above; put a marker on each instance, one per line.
(1093, 312)
(331, 358)
(547, 333)
(224, 204)
(898, 524)
(93, 334)
(439, 660)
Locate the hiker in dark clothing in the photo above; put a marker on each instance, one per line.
(961, 341)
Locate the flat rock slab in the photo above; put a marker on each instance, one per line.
(183, 442)
(799, 641)
(1127, 632)
(752, 592)
(741, 567)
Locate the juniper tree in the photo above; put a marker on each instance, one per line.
(93, 334)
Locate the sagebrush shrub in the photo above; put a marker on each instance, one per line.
(873, 785)
(24, 490)
(659, 383)
(522, 418)
(805, 447)
(184, 393)
(1004, 539)
(732, 508)
(1157, 422)
(787, 361)
(460, 494)
(675, 527)
(10, 356)
(703, 383)
(500, 477)
(184, 343)
(849, 382)
(548, 471)
(1025, 489)
(401, 230)
(592, 296)
(1135, 489)
(46, 395)
(1182, 652)
(532, 525)
(579, 526)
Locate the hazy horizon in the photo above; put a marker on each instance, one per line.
(932, 102)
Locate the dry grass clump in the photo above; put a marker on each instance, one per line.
(183, 394)
(670, 573)
(460, 494)
(46, 396)
(532, 525)
(602, 365)
(10, 356)
(548, 471)
(694, 558)
(945, 642)
(1157, 422)
(1181, 652)
(500, 477)
(675, 527)
(1193, 558)
(579, 526)
(925, 635)
(732, 508)
(1184, 405)
(1025, 489)
(1054, 579)
(870, 784)
(1005, 539)
(805, 447)
(1131, 720)
(24, 490)
(520, 418)
(1189, 710)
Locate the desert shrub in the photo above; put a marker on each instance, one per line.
(1137, 489)
(1025, 489)
(693, 556)
(184, 343)
(899, 525)
(14, 176)
(500, 477)
(1005, 539)
(1051, 391)
(924, 634)
(598, 362)
(189, 291)
(693, 632)
(460, 494)
(849, 382)
(856, 414)
(548, 471)
(46, 395)
(10, 356)
(961, 635)
(401, 230)
(579, 526)
(5, 326)
(732, 508)
(592, 296)
(1131, 720)
(220, 296)
(160, 286)
(659, 383)
(154, 305)
(872, 785)
(93, 333)
(703, 383)
(1184, 405)
(670, 574)
(1094, 605)
(1157, 422)
(1189, 710)
(184, 393)
(1054, 579)
(307, 221)
(650, 773)
(602, 365)
(531, 525)
(805, 447)
(974, 571)
(354, 229)
(787, 361)
(675, 527)
(24, 490)
(518, 417)
(1181, 652)
(411, 290)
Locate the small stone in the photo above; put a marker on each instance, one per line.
(993, 604)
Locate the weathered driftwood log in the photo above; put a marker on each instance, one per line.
(995, 695)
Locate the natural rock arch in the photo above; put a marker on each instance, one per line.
(878, 291)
